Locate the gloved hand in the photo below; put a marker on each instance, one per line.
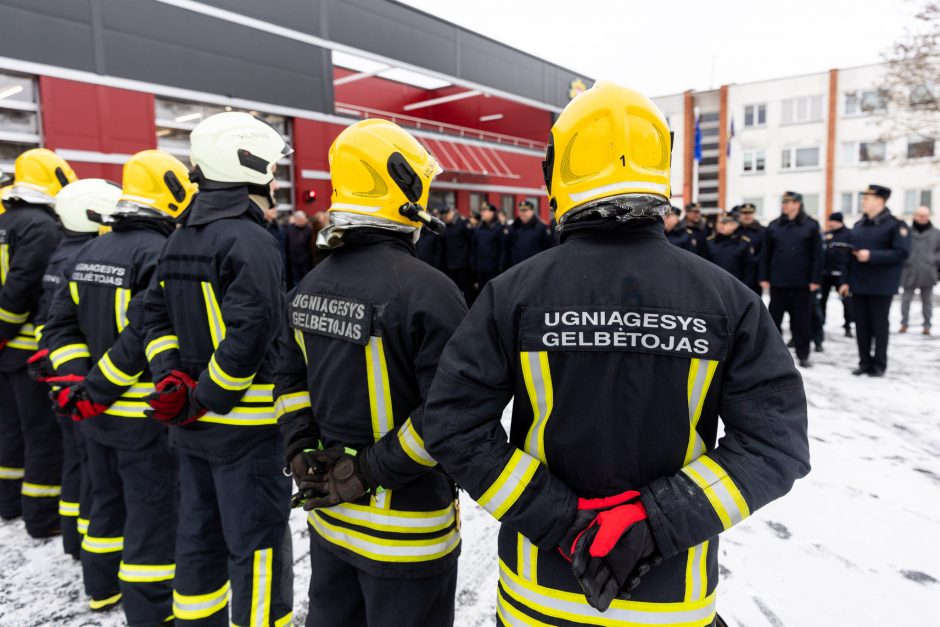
(339, 475)
(610, 546)
(39, 366)
(297, 466)
(72, 400)
(174, 402)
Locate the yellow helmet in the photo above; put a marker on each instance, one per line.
(39, 174)
(156, 180)
(376, 167)
(609, 141)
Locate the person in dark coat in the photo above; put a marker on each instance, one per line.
(754, 230)
(489, 247)
(730, 250)
(299, 237)
(882, 244)
(277, 232)
(430, 249)
(456, 242)
(836, 241)
(790, 268)
(694, 220)
(528, 235)
(920, 270)
(682, 236)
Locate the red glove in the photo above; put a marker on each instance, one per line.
(39, 367)
(73, 400)
(174, 401)
(3, 344)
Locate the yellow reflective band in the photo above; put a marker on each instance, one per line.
(102, 603)
(102, 545)
(161, 344)
(38, 490)
(10, 473)
(82, 525)
(572, 606)
(122, 298)
(114, 374)
(413, 445)
(393, 521)
(194, 607)
(4, 262)
(226, 381)
(259, 393)
(24, 343)
(13, 318)
(696, 573)
(73, 291)
(701, 372)
(720, 490)
(243, 417)
(68, 509)
(527, 556)
(509, 485)
(383, 549)
(261, 574)
(285, 620)
(287, 403)
(138, 391)
(39, 329)
(144, 573)
(538, 383)
(511, 616)
(67, 353)
(380, 396)
(299, 338)
(127, 409)
(214, 314)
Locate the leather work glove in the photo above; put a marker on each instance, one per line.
(174, 402)
(40, 367)
(297, 466)
(610, 546)
(72, 400)
(339, 475)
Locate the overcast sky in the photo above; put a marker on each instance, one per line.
(667, 46)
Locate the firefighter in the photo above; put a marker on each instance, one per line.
(730, 250)
(94, 333)
(210, 326)
(77, 230)
(30, 442)
(621, 351)
(363, 335)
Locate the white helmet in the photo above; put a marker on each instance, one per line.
(235, 147)
(76, 199)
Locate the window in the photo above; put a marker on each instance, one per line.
(924, 95)
(869, 101)
(754, 161)
(755, 115)
(920, 147)
(811, 204)
(19, 118)
(846, 202)
(507, 204)
(475, 200)
(799, 158)
(914, 198)
(709, 117)
(709, 132)
(802, 109)
(177, 118)
(863, 152)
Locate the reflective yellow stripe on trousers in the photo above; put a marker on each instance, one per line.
(196, 606)
(146, 573)
(261, 587)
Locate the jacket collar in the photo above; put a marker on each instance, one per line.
(363, 237)
(800, 218)
(878, 219)
(612, 229)
(219, 204)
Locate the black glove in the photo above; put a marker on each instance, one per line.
(297, 466)
(338, 475)
(39, 366)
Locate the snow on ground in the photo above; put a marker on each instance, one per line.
(856, 543)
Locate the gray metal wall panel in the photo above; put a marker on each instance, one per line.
(48, 31)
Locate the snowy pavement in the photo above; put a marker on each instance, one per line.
(856, 543)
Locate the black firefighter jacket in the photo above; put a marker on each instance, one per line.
(359, 349)
(95, 323)
(28, 236)
(889, 242)
(57, 275)
(621, 351)
(212, 312)
(791, 255)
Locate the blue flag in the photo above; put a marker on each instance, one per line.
(698, 141)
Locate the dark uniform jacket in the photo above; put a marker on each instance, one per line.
(430, 249)
(621, 352)
(688, 239)
(56, 275)
(211, 312)
(889, 241)
(360, 346)
(733, 253)
(755, 232)
(456, 242)
(95, 328)
(837, 258)
(526, 240)
(490, 247)
(28, 236)
(792, 253)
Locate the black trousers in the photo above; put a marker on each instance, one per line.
(69, 501)
(343, 596)
(830, 283)
(798, 303)
(871, 324)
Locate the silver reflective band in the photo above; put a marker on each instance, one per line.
(7, 472)
(386, 550)
(143, 573)
(352, 207)
(697, 556)
(537, 375)
(390, 520)
(721, 492)
(261, 587)
(413, 445)
(633, 186)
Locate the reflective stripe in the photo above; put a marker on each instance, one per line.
(261, 588)
(67, 508)
(141, 573)
(380, 398)
(574, 607)
(633, 187)
(122, 298)
(39, 329)
(538, 382)
(114, 374)
(138, 390)
(25, 340)
(4, 263)
(509, 485)
(102, 545)
(383, 549)
(8, 472)
(394, 521)
(299, 338)
(67, 353)
(696, 573)
(13, 318)
(193, 607)
(128, 409)
(287, 403)
(82, 525)
(511, 616)
(226, 381)
(161, 344)
(214, 314)
(38, 490)
(102, 603)
(73, 291)
(527, 554)
(243, 417)
(720, 490)
(285, 620)
(259, 393)
(354, 207)
(701, 372)
(413, 445)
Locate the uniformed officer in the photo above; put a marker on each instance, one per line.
(94, 333)
(620, 363)
(684, 237)
(71, 206)
(749, 226)
(732, 251)
(528, 236)
(838, 253)
(30, 441)
(456, 241)
(790, 266)
(210, 326)
(489, 253)
(693, 219)
(881, 245)
(430, 248)
(357, 354)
